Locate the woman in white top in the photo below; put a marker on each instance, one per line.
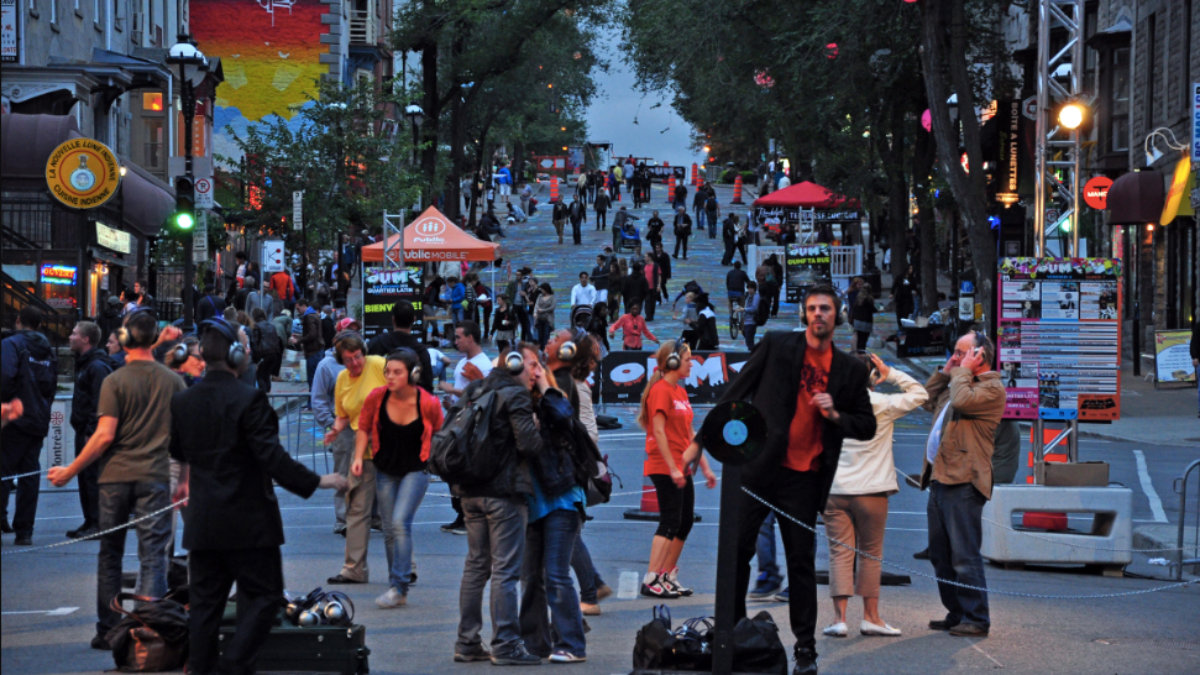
(857, 510)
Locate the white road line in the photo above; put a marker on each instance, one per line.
(61, 611)
(1156, 506)
(975, 646)
(605, 437)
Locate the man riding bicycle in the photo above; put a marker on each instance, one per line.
(735, 284)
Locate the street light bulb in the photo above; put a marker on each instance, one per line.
(1071, 115)
(707, 149)
(184, 221)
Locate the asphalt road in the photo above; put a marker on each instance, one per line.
(1152, 633)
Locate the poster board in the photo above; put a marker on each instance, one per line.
(382, 288)
(805, 266)
(1060, 338)
(1173, 358)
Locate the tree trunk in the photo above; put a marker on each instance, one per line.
(923, 156)
(897, 190)
(969, 191)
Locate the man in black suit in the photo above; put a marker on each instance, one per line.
(812, 396)
(226, 435)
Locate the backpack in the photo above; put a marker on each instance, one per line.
(710, 204)
(461, 452)
(42, 377)
(266, 342)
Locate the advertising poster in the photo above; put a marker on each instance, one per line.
(382, 288)
(806, 265)
(1172, 356)
(1059, 347)
(625, 375)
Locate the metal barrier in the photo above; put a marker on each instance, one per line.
(1181, 488)
(299, 432)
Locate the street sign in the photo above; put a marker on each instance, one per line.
(200, 236)
(1029, 108)
(1095, 192)
(298, 209)
(272, 256)
(204, 193)
(1051, 217)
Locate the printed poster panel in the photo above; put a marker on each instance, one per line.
(1060, 338)
(382, 288)
(806, 265)
(625, 375)
(1172, 356)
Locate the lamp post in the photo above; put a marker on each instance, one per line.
(415, 115)
(191, 62)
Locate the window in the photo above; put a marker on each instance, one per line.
(152, 102)
(153, 157)
(1119, 105)
(1151, 69)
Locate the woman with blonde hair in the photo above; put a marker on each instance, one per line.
(666, 415)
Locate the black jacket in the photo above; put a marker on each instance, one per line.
(208, 307)
(328, 330)
(771, 381)
(514, 436)
(385, 343)
(30, 370)
(233, 463)
(90, 370)
(1194, 347)
(663, 262)
(635, 287)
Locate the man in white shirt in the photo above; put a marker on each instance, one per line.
(474, 366)
(584, 293)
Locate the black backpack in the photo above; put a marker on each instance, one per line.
(711, 204)
(462, 452)
(266, 342)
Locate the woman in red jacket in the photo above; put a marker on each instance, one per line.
(398, 421)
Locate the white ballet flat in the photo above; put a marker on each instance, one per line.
(836, 630)
(868, 628)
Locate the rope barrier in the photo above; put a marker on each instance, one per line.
(148, 516)
(25, 475)
(932, 577)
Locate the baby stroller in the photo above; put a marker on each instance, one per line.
(629, 239)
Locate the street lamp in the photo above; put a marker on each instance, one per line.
(1072, 115)
(191, 63)
(415, 115)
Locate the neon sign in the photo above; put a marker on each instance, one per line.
(59, 274)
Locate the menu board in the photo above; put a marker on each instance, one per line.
(382, 288)
(1060, 338)
(806, 265)
(1173, 357)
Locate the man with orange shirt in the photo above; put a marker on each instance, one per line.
(813, 396)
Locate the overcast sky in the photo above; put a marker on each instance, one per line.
(659, 132)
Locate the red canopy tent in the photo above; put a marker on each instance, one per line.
(809, 196)
(433, 238)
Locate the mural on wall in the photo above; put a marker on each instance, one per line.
(270, 52)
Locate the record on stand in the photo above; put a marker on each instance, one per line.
(735, 432)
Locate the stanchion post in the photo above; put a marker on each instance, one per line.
(727, 541)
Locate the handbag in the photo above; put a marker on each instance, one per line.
(757, 647)
(654, 646)
(153, 637)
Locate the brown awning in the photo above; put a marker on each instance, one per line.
(148, 203)
(1136, 198)
(28, 140)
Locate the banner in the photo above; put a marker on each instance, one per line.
(1172, 356)
(58, 449)
(382, 288)
(1008, 169)
(1060, 338)
(806, 265)
(625, 375)
(660, 173)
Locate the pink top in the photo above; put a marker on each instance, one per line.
(635, 328)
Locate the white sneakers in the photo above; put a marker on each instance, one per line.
(391, 600)
(868, 628)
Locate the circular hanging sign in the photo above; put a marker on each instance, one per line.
(1095, 192)
(83, 173)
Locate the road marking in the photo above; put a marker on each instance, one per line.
(1156, 506)
(975, 646)
(61, 611)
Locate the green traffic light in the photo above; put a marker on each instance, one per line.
(184, 221)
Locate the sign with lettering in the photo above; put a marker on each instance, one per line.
(1008, 118)
(10, 38)
(204, 193)
(114, 239)
(625, 375)
(806, 265)
(1095, 192)
(83, 173)
(1196, 122)
(272, 256)
(63, 275)
(382, 288)
(1172, 358)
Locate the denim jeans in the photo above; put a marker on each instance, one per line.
(585, 571)
(21, 454)
(698, 216)
(120, 503)
(456, 311)
(495, 546)
(546, 584)
(711, 218)
(768, 565)
(398, 500)
(310, 368)
(749, 332)
(955, 534)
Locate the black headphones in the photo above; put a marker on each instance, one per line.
(235, 358)
(136, 339)
(838, 319)
(409, 358)
(320, 608)
(675, 360)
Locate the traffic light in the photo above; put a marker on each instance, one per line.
(185, 203)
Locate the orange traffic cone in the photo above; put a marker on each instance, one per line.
(553, 189)
(737, 190)
(671, 187)
(700, 180)
(695, 174)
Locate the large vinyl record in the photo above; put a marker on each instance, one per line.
(734, 432)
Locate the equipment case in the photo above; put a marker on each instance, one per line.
(314, 649)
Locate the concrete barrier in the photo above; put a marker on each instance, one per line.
(1107, 543)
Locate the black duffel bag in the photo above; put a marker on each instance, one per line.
(154, 636)
(757, 647)
(655, 643)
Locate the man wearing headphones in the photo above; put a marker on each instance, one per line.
(131, 444)
(226, 436)
(813, 396)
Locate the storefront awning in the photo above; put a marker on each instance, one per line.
(28, 140)
(1136, 198)
(148, 202)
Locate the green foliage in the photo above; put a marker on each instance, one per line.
(350, 157)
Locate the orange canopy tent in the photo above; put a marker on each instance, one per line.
(433, 238)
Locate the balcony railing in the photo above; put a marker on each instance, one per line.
(364, 27)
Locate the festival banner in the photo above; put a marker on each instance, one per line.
(384, 287)
(624, 375)
(806, 265)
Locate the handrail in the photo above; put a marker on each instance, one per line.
(1182, 490)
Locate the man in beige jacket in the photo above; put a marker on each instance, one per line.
(967, 399)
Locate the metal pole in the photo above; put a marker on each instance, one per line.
(1039, 426)
(189, 111)
(725, 603)
(1043, 105)
(1077, 64)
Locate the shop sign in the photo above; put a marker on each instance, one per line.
(1009, 128)
(272, 256)
(384, 287)
(64, 275)
(83, 173)
(114, 239)
(10, 38)
(1095, 192)
(1172, 360)
(1195, 122)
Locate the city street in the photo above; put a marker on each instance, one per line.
(48, 596)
